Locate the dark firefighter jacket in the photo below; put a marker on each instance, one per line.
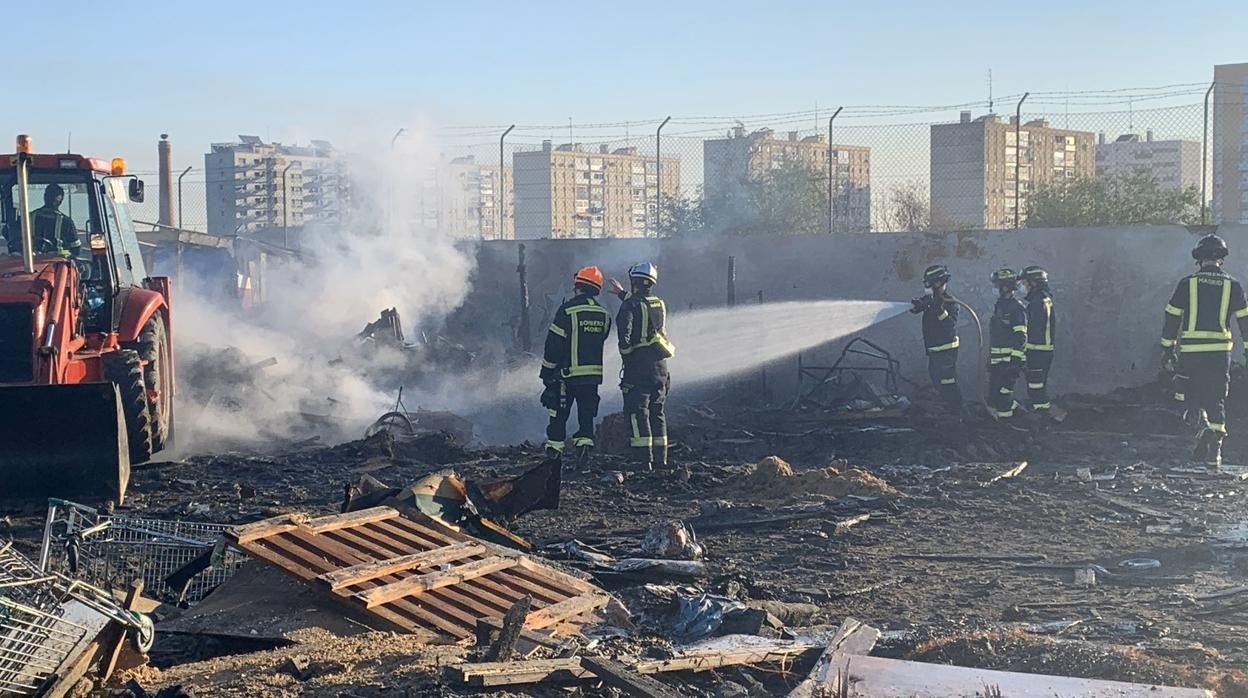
(1041, 322)
(1007, 331)
(574, 341)
(54, 232)
(644, 346)
(940, 325)
(1199, 313)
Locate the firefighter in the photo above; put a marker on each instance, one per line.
(645, 349)
(940, 334)
(1196, 343)
(572, 365)
(1007, 339)
(1041, 326)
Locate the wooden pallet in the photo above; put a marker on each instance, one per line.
(416, 574)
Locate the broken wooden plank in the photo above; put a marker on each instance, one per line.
(434, 580)
(716, 657)
(334, 522)
(565, 610)
(958, 557)
(368, 571)
(1222, 593)
(513, 623)
(263, 529)
(1007, 474)
(853, 637)
(616, 675)
(877, 677)
(1127, 504)
(485, 674)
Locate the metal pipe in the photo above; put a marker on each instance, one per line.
(286, 207)
(188, 169)
(732, 281)
(23, 195)
(500, 197)
(658, 177)
(1204, 162)
(831, 171)
(1018, 154)
(522, 270)
(389, 185)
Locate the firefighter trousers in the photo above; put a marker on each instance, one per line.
(644, 407)
(585, 397)
(942, 366)
(1038, 364)
(1201, 383)
(1001, 379)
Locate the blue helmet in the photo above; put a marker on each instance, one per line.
(644, 271)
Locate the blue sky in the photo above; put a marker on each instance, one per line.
(119, 73)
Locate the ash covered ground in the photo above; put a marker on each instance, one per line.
(956, 563)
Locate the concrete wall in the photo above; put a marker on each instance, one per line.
(1110, 285)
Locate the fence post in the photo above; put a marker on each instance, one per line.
(1204, 162)
(658, 176)
(1018, 155)
(831, 172)
(501, 196)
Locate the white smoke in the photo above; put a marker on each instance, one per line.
(321, 384)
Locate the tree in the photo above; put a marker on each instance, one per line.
(1125, 199)
(906, 207)
(682, 215)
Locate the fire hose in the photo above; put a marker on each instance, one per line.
(982, 371)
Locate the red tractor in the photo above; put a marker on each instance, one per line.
(86, 352)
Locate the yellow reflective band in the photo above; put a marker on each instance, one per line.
(1171, 310)
(1002, 350)
(547, 364)
(1007, 413)
(1180, 397)
(1000, 360)
(1242, 312)
(658, 440)
(943, 315)
(1167, 342)
(1048, 322)
(1039, 347)
(641, 442)
(1225, 311)
(555, 329)
(1204, 348)
(1193, 304)
(582, 441)
(553, 413)
(584, 370)
(557, 445)
(585, 308)
(1036, 386)
(1042, 406)
(944, 347)
(1019, 353)
(948, 381)
(1020, 328)
(1206, 334)
(1007, 391)
(636, 432)
(1220, 428)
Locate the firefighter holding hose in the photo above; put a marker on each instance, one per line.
(940, 334)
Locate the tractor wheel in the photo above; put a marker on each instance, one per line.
(153, 348)
(124, 368)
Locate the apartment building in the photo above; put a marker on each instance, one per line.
(982, 169)
(467, 201)
(1230, 144)
(253, 185)
(731, 162)
(1174, 163)
(568, 191)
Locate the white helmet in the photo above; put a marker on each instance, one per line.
(645, 271)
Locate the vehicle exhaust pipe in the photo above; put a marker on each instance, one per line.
(23, 195)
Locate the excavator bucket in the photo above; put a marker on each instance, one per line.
(63, 440)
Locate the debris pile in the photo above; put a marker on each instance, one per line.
(774, 479)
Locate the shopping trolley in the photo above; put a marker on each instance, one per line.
(112, 550)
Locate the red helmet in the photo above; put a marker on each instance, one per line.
(590, 276)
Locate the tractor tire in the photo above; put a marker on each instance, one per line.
(124, 368)
(153, 349)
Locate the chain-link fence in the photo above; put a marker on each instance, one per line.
(1043, 159)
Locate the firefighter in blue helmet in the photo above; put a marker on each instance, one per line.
(1196, 343)
(1007, 341)
(645, 349)
(940, 335)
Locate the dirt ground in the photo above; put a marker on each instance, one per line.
(956, 563)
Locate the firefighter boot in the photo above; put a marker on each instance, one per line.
(582, 457)
(659, 455)
(1213, 456)
(1200, 452)
(554, 454)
